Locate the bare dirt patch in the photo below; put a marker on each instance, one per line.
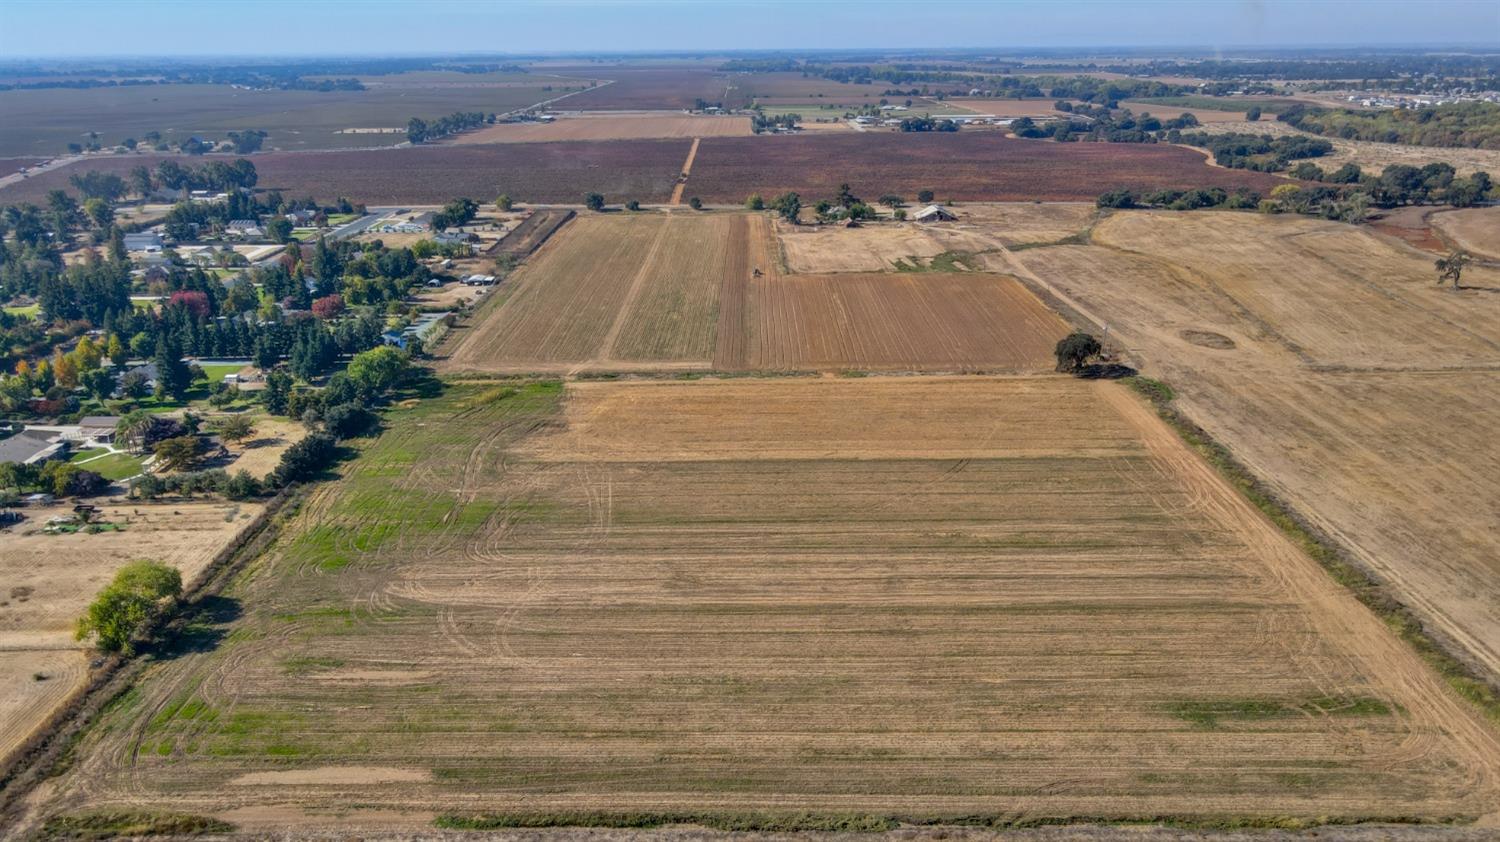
(824, 249)
(334, 776)
(1018, 597)
(609, 127)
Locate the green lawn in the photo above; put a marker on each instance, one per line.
(216, 372)
(115, 466)
(88, 454)
(29, 310)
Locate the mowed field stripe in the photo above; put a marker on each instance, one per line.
(607, 345)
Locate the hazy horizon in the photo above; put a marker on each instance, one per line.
(32, 30)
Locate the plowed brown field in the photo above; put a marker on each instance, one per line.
(1329, 361)
(1014, 598)
(600, 127)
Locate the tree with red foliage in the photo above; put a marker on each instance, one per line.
(194, 300)
(328, 306)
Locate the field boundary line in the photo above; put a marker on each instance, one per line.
(53, 742)
(687, 169)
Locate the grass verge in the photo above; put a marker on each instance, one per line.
(126, 823)
(1376, 596)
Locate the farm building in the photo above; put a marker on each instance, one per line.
(147, 241)
(243, 228)
(934, 213)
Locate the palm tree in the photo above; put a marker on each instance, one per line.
(131, 429)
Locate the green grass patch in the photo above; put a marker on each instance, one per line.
(1374, 595)
(114, 824)
(1212, 103)
(948, 261)
(214, 372)
(115, 466)
(30, 311)
(91, 453)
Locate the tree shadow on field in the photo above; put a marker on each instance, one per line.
(1105, 371)
(204, 625)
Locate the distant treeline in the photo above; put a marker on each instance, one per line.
(1462, 124)
(290, 76)
(419, 130)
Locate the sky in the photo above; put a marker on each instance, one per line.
(83, 28)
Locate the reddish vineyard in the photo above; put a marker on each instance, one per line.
(529, 172)
(651, 88)
(974, 166)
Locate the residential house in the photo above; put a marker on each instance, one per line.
(31, 446)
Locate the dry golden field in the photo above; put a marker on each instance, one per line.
(886, 246)
(48, 580)
(610, 290)
(1330, 362)
(1007, 107)
(1015, 598)
(609, 127)
(700, 291)
(1475, 230)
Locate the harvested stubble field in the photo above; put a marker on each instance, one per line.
(616, 289)
(1204, 115)
(681, 291)
(966, 165)
(48, 580)
(561, 172)
(1330, 363)
(1021, 598)
(602, 127)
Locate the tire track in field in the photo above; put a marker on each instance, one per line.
(687, 169)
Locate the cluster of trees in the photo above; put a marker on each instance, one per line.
(1201, 198)
(266, 314)
(240, 485)
(1261, 152)
(1401, 184)
(456, 213)
(927, 124)
(761, 122)
(1347, 194)
(63, 479)
(140, 592)
(1461, 124)
(247, 141)
(420, 131)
